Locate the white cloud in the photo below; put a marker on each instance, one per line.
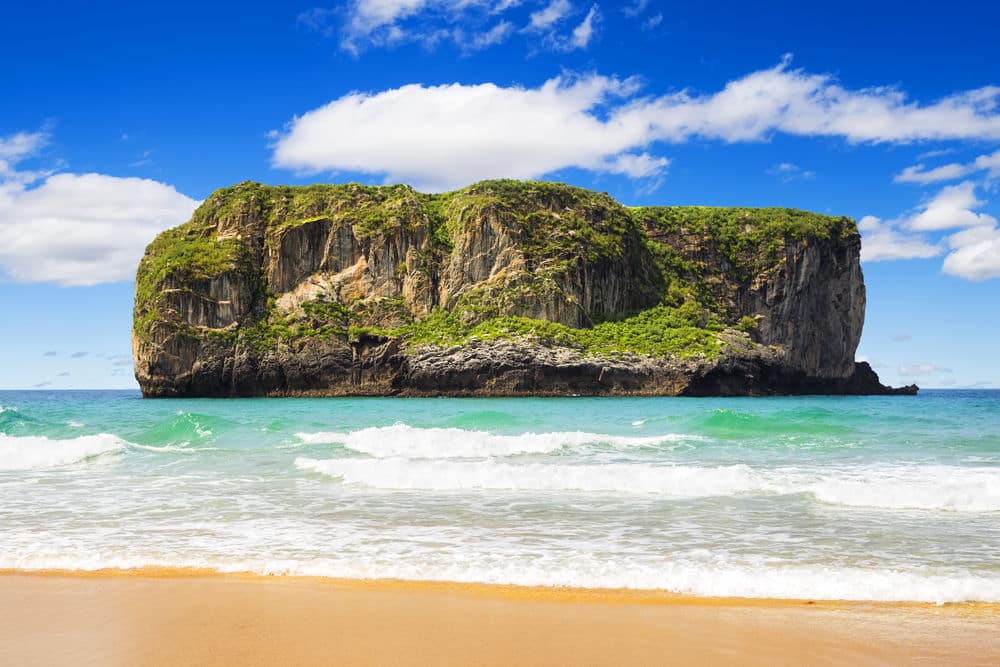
(951, 208)
(635, 8)
(20, 145)
(975, 255)
(445, 136)
(883, 241)
(470, 25)
(789, 172)
(643, 165)
(796, 102)
(583, 33)
(482, 40)
(551, 14)
(950, 172)
(990, 163)
(441, 137)
(80, 229)
(973, 250)
(652, 21)
(919, 174)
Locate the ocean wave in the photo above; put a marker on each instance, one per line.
(29, 452)
(941, 488)
(175, 448)
(401, 440)
(947, 488)
(187, 428)
(701, 575)
(675, 481)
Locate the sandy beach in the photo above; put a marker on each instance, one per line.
(170, 618)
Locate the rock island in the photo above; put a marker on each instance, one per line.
(502, 288)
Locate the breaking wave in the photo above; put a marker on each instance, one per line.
(401, 440)
(943, 488)
(30, 452)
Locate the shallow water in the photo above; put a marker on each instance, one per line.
(880, 498)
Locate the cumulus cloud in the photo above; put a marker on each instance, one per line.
(77, 229)
(439, 137)
(445, 136)
(884, 241)
(973, 250)
(952, 207)
(918, 173)
(975, 253)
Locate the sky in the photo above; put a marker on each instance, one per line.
(117, 119)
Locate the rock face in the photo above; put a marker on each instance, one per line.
(502, 288)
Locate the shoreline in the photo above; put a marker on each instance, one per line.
(494, 590)
(158, 616)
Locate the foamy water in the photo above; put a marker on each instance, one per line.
(839, 498)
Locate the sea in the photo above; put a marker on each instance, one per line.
(841, 498)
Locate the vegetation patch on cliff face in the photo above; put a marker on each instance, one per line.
(662, 331)
(555, 230)
(752, 239)
(185, 256)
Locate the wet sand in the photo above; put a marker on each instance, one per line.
(193, 618)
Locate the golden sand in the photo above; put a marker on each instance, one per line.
(190, 617)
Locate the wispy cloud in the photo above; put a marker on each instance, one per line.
(917, 370)
(469, 25)
(788, 172)
(918, 173)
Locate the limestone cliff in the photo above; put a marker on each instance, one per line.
(501, 288)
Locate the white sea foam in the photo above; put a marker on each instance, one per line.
(703, 575)
(175, 448)
(949, 488)
(27, 452)
(401, 440)
(677, 481)
(944, 488)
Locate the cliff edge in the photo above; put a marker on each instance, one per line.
(503, 288)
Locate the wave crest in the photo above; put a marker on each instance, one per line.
(676, 481)
(940, 488)
(402, 440)
(37, 451)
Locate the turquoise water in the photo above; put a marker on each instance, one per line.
(881, 498)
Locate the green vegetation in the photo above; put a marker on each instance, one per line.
(659, 331)
(751, 239)
(556, 229)
(184, 256)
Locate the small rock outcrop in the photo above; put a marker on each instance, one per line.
(504, 288)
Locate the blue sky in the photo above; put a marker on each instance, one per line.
(117, 119)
